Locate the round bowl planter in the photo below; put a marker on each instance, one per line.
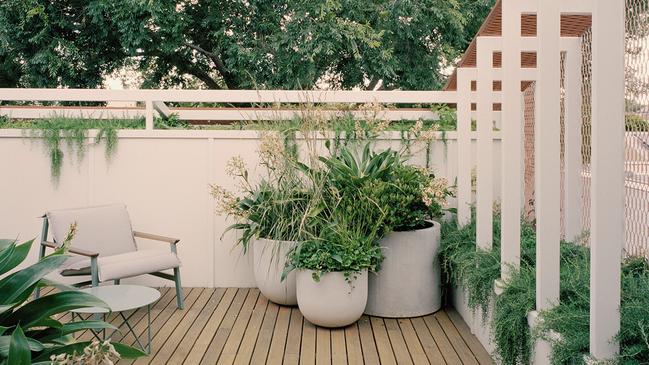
(332, 301)
(269, 259)
(409, 282)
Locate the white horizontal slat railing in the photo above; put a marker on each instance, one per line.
(144, 103)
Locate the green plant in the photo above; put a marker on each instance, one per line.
(29, 332)
(476, 271)
(349, 219)
(341, 247)
(173, 121)
(59, 132)
(413, 197)
(273, 208)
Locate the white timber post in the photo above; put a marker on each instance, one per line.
(546, 153)
(484, 113)
(607, 186)
(572, 140)
(148, 114)
(511, 138)
(464, 167)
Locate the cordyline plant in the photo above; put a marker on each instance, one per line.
(29, 330)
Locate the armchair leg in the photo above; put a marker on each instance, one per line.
(41, 249)
(94, 271)
(179, 290)
(116, 281)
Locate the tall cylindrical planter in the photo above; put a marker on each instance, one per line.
(269, 259)
(332, 301)
(409, 282)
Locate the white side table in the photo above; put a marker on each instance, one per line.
(122, 298)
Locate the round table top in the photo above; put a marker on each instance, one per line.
(120, 297)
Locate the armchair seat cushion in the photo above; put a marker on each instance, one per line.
(135, 263)
(123, 265)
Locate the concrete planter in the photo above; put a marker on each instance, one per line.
(269, 259)
(331, 302)
(409, 282)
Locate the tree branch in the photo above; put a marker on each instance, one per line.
(227, 76)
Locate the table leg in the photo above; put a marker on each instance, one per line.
(148, 328)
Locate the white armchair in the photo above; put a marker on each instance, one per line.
(105, 249)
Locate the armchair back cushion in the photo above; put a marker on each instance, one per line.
(104, 229)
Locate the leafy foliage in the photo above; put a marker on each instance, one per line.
(56, 133)
(350, 220)
(476, 271)
(276, 206)
(252, 44)
(28, 330)
(406, 196)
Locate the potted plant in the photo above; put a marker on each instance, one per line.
(331, 274)
(268, 213)
(414, 199)
(332, 266)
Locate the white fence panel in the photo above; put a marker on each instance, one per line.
(163, 178)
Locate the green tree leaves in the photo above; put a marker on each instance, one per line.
(290, 44)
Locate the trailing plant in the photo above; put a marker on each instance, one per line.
(29, 332)
(476, 271)
(58, 133)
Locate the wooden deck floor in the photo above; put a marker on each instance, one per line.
(240, 326)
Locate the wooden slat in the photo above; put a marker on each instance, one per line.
(477, 349)
(232, 298)
(398, 343)
(445, 347)
(244, 354)
(293, 340)
(235, 338)
(168, 349)
(370, 353)
(323, 346)
(164, 325)
(386, 355)
(338, 347)
(412, 342)
(427, 341)
(201, 321)
(139, 320)
(212, 350)
(230, 325)
(276, 353)
(233, 321)
(262, 346)
(453, 335)
(308, 348)
(178, 322)
(353, 344)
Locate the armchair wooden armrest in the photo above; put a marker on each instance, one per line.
(156, 237)
(73, 250)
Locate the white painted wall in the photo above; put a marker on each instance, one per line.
(162, 176)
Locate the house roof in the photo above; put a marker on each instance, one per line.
(572, 25)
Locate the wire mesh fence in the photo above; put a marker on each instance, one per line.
(636, 123)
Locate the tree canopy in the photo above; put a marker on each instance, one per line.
(291, 44)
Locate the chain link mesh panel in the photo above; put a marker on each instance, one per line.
(636, 123)
(636, 135)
